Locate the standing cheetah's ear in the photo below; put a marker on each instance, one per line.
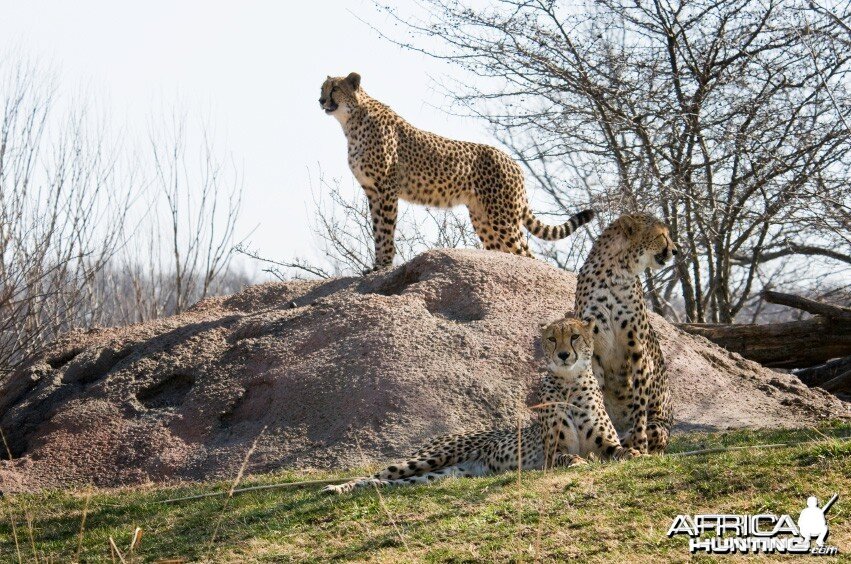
(354, 80)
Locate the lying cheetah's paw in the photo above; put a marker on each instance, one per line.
(568, 460)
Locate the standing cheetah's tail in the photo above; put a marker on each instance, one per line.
(555, 232)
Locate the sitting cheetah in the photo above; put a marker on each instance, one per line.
(573, 423)
(392, 159)
(628, 362)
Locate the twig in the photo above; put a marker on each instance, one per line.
(235, 484)
(256, 488)
(14, 532)
(115, 551)
(751, 447)
(384, 505)
(83, 523)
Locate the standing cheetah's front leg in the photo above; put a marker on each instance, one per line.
(383, 206)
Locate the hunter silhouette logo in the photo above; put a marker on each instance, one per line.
(762, 533)
(812, 523)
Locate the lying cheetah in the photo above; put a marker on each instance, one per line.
(573, 424)
(391, 159)
(627, 359)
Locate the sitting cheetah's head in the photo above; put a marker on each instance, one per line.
(339, 94)
(568, 344)
(643, 241)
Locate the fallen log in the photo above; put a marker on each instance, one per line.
(793, 344)
(808, 305)
(818, 375)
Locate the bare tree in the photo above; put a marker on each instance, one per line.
(728, 118)
(200, 195)
(64, 197)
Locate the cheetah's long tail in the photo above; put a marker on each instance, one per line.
(466, 470)
(555, 232)
(443, 457)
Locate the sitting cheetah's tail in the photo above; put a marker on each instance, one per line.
(555, 232)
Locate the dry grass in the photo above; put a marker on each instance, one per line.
(595, 513)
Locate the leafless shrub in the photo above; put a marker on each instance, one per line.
(64, 198)
(343, 229)
(83, 241)
(193, 202)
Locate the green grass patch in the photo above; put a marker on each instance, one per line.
(601, 512)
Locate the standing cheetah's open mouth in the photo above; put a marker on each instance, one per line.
(661, 258)
(331, 109)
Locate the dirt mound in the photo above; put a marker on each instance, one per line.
(339, 372)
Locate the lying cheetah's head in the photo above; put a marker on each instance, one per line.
(568, 344)
(644, 240)
(340, 93)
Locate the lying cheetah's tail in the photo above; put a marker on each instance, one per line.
(555, 232)
(452, 455)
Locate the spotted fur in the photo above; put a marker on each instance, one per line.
(573, 424)
(391, 159)
(573, 416)
(628, 361)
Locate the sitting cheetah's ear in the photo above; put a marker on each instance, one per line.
(590, 323)
(630, 225)
(354, 80)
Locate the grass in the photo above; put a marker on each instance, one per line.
(602, 512)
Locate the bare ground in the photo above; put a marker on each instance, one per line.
(340, 373)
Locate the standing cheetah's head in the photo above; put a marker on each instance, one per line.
(339, 94)
(568, 344)
(644, 241)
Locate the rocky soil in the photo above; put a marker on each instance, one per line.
(339, 373)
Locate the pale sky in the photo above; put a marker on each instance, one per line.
(255, 68)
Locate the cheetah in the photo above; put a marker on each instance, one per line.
(573, 416)
(573, 423)
(628, 361)
(392, 159)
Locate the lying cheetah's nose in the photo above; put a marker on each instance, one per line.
(563, 355)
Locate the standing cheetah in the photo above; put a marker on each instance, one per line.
(391, 159)
(573, 424)
(627, 359)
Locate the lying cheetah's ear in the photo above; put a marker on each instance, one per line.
(590, 323)
(543, 326)
(354, 80)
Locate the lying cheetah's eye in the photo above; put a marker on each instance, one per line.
(552, 339)
(573, 338)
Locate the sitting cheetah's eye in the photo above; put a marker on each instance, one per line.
(552, 339)
(573, 338)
